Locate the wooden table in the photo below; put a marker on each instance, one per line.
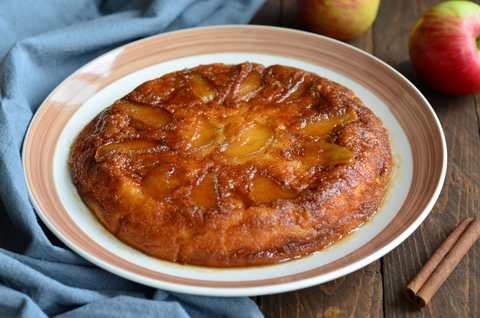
(377, 290)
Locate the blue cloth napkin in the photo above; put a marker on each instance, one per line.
(41, 43)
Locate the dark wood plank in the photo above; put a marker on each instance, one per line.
(288, 14)
(269, 13)
(355, 295)
(460, 295)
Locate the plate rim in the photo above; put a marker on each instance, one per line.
(269, 288)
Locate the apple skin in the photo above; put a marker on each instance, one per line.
(445, 47)
(340, 19)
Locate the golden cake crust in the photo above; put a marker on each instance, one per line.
(233, 165)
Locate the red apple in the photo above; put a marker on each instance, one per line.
(445, 47)
(340, 19)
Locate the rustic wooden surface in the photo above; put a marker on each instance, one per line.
(378, 289)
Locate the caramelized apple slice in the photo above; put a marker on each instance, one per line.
(203, 134)
(204, 194)
(323, 126)
(265, 190)
(334, 154)
(249, 86)
(161, 181)
(152, 116)
(249, 140)
(202, 88)
(295, 91)
(325, 154)
(125, 147)
(130, 194)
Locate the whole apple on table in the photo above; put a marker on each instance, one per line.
(445, 47)
(444, 43)
(340, 19)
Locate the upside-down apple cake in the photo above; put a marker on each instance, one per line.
(233, 165)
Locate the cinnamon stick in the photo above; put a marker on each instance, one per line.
(437, 269)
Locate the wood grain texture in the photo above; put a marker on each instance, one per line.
(459, 296)
(378, 289)
(269, 14)
(355, 295)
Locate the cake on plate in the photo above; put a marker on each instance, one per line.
(233, 165)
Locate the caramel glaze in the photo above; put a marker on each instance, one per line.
(233, 165)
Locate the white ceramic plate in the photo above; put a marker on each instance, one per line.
(417, 140)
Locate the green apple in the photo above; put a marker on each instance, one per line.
(340, 19)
